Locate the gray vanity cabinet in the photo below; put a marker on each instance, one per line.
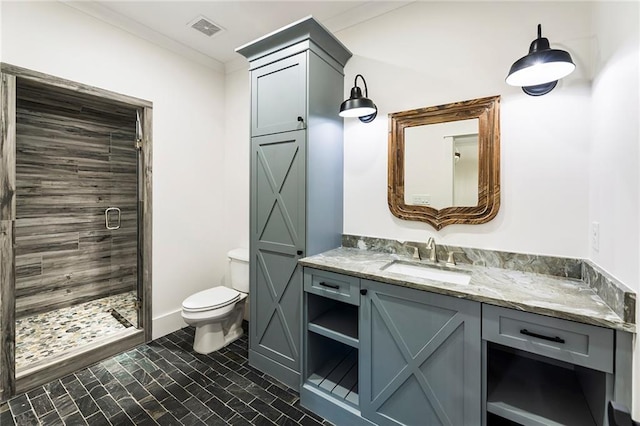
(550, 371)
(297, 86)
(420, 357)
(377, 353)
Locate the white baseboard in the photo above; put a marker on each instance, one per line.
(172, 321)
(167, 323)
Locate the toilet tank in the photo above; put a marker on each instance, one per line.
(239, 269)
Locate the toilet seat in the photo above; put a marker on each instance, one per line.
(213, 298)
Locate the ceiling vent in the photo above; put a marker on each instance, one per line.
(205, 26)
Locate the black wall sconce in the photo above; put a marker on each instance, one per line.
(358, 105)
(539, 71)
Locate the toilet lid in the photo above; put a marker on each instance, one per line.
(212, 298)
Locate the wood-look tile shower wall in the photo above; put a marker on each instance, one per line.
(75, 157)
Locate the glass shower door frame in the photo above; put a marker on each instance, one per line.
(9, 383)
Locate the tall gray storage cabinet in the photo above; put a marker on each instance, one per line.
(296, 181)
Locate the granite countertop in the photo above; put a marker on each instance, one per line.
(564, 298)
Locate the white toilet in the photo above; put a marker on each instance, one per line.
(217, 313)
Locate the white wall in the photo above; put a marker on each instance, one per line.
(189, 239)
(429, 53)
(614, 177)
(237, 153)
(613, 164)
(236, 162)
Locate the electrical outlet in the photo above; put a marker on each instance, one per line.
(595, 236)
(421, 199)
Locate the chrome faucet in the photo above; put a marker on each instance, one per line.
(416, 253)
(431, 246)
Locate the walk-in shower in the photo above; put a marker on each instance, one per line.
(75, 225)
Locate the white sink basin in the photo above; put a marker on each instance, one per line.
(429, 272)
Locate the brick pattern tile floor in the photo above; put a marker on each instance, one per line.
(163, 383)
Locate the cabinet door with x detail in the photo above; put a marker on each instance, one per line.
(277, 242)
(420, 357)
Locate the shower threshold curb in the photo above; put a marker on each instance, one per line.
(69, 361)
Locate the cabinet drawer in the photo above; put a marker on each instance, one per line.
(334, 286)
(569, 341)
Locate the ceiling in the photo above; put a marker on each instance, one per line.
(167, 23)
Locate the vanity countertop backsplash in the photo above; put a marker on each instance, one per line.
(571, 289)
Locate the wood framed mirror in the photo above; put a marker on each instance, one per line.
(444, 163)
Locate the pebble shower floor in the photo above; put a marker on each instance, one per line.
(43, 336)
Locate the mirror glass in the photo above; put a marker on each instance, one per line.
(444, 163)
(441, 164)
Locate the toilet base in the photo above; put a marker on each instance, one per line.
(211, 337)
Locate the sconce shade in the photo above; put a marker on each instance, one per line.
(539, 71)
(358, 105)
